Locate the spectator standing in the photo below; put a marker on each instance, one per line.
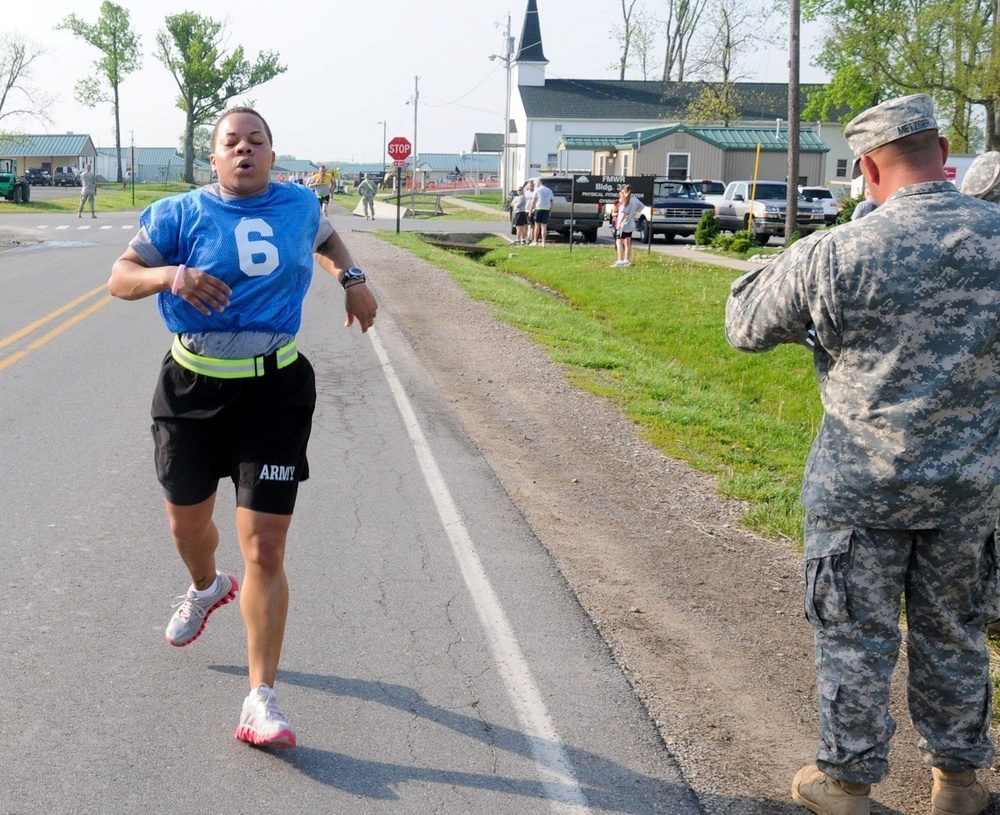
(88, 191)
(519, 208)
(541, 203)
(865, 206)
(628, 208)
(529, 198)
(367, 190)
(902, 486)
(320, 184)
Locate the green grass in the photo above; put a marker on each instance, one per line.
(109, 198)
(650, 338)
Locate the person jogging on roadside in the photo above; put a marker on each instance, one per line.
(230, 265)
(321, 183)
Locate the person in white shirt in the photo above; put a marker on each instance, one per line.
(539, 207)
(628, 207)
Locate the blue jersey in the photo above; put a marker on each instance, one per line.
(261, 247)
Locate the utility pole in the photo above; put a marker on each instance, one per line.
(384, 124)
(416, 100)
(507, 58)
(794, 120)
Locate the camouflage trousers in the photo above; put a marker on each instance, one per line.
(856, 581)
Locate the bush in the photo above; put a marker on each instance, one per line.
(723, 242)
(741, 245)
(847, 210)
(708, 229)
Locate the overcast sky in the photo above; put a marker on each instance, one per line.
(350, 67)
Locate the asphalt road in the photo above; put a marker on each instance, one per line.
(435, 660)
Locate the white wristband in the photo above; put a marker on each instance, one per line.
(178, 280)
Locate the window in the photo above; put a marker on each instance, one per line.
(678, 166)
(841, 168)
(558, 128)
(552, 159)
(625, 164)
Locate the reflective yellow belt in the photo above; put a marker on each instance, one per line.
(232, 368)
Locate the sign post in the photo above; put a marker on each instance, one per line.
(399, 150)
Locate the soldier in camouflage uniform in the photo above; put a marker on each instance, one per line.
(902, 486)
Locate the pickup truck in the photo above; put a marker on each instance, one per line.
(767, 208)
(677, 208)
(586, 218)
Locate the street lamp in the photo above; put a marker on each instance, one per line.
(383, 145)
(506, 58)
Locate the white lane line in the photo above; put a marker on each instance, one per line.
(554, 767)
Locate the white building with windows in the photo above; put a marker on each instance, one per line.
(563, 125)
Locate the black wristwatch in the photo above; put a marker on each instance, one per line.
(352, 276)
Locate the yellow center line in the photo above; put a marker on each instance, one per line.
(55, 332)
(49, 317)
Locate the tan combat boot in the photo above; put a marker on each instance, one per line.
(957, 793)
(819, 793)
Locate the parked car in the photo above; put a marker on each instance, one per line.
(565, 216)
(66, 177)
(825, 197)
(677, 208)
(38, 177)
(767, 206)
(711, 190)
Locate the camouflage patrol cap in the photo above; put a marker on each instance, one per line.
(884, 123)
(983, 177)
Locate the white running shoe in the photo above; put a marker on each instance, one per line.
(262, 723)
(188, 621)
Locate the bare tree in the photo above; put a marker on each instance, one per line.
(625, 34)
(19, 96)
(733, 30)
(643, 40)
(680, 27)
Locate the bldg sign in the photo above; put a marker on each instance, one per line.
(604, 189)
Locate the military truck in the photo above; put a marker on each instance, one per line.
(12, 186)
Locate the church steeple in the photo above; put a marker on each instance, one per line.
(530, 59)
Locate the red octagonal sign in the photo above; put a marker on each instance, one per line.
(400, 148)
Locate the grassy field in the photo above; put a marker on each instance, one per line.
(650, 338)
(109, 198)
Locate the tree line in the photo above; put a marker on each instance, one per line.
(191, 46)
(872, 50)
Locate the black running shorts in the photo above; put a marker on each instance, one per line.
(541, 216)
(253, 430)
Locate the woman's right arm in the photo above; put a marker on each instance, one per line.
(132, 279)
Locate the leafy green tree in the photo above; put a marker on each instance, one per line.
(202, 143)
(877, 49)
(112, 35)
(191, 47)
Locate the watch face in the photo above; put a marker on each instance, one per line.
(352, 274)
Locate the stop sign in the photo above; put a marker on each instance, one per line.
(400, 148)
